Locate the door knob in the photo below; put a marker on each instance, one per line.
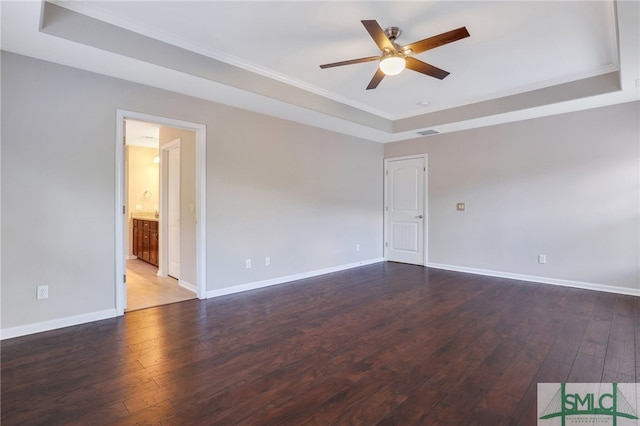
(419, 217)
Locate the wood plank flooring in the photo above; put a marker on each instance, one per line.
(386, 344)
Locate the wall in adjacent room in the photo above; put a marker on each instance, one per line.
(143, 185)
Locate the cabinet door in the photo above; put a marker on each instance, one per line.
(136, 237)
(139, 242)
(145, 244)
(153, 248)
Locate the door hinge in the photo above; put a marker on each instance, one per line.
(386, 172)
(123, 209)
(386, 244)
(124, 278)
(386, 208)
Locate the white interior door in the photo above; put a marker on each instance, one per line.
(405, 210)
(173, 212)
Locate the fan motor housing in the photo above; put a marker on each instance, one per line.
(393, 33)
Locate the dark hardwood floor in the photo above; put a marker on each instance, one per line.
(385, 344)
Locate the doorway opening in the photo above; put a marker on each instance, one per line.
(160, 228)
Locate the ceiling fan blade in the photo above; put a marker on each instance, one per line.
(424, 68)
(351, 61)
(378, 35)
(439, 40)
(377, 78)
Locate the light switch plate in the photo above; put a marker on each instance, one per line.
(460, 207)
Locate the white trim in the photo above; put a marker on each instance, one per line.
(38, 327)
(541, 280)
(201, 212)
(188, 286)
(288, 278)
(201, 202)
(164, 212)
(120, 202)
(425, 220)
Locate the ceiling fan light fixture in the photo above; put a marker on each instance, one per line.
(392, 64)
(394, 58)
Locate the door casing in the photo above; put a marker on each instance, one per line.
(201, 204)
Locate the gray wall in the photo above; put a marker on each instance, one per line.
(301, 195)
(566, 186)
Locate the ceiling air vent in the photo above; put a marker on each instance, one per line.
(428, 132)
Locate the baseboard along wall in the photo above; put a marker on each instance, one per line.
(39, 327)
(536, 279)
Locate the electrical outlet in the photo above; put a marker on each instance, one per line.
(42, 292)
(542, 258)
(248, 263)
(460, 207)
(267, 261)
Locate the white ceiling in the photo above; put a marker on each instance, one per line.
(142, 133)
(523, 59)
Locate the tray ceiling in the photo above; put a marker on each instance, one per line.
(523, 59)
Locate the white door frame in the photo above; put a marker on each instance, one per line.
(425, 219)
(163, 258)
(201, 203)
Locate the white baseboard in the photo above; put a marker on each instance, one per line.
(288, 278)
(188, 286)
(23, 330)
(8, 333)
(542, 280)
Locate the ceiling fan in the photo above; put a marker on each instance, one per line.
(395, 58)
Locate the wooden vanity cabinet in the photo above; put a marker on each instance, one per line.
(145, 240)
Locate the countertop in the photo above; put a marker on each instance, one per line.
(144, 215)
